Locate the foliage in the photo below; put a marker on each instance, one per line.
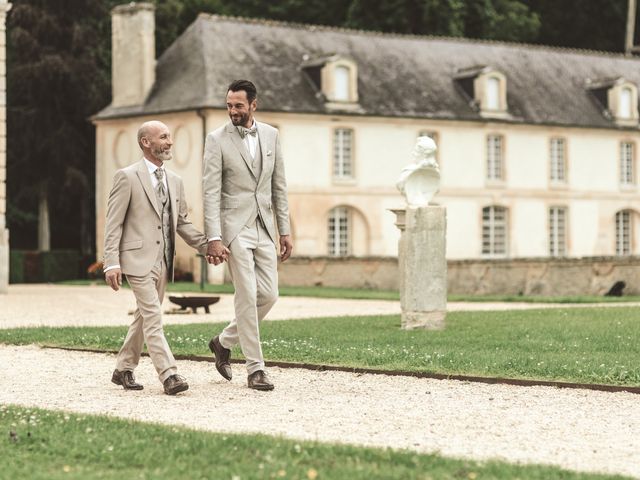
(45, 444)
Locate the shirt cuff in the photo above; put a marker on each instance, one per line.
(212, 239)
(111, 268)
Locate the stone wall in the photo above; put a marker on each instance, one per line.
(527, 276)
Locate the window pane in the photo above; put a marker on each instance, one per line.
(493, 93)
(342, 153)
(557, 231)
(627, 173)
(341, 83)
(625, 103)
(494, 231)
(557, 160)
(339, 231)
(494, 157)
(623, 233)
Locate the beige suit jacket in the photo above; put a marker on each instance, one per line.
(232, 193)
(133, 231)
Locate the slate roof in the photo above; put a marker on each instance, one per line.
(398, 75)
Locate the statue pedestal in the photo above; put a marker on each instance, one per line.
(423, 267)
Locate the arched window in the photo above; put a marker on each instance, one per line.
(339, 232)
(623, 232)
(493, 94)
(626, 100)
(494, 231)
(341, 83)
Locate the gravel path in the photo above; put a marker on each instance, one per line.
(62, 305)
(575, 429)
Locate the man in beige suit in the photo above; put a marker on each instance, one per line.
(146, 208)
(244, 192)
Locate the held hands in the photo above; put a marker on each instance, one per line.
(217, 252)
(113, 278)
(285, 247)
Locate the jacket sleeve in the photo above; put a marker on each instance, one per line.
(117, 206)
(212, 187)
(279, 192)
(190, 234)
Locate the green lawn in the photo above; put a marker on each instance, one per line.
(48, 445)
(585, 345)
(367, 294)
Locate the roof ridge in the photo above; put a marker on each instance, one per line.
(329, 28)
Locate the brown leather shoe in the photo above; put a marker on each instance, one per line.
(175, 384)
(126, 379)
(222, 356)
(259, 381)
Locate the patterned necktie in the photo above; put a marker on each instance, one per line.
(161, 192)
(247, 131)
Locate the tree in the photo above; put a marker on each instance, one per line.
(56, 78)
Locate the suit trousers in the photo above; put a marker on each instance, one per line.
(147, 324)
(254, 270)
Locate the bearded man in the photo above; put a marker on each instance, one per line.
(146, 208)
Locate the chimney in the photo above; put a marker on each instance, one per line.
(133, 64)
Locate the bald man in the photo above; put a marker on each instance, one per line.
(146, 208)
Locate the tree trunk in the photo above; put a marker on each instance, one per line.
(44, 233)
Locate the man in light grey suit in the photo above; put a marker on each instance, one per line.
(146, 208)
(245, 196)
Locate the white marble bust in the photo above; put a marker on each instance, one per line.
(420, 181)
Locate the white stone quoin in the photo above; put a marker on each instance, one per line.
(422, 245)
(4, 232)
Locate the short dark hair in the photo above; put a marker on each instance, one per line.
(245, 85)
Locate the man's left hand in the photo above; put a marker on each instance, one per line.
(285, 247)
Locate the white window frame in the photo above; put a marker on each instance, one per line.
(341, 83)
(492, 93)
(623, 232)
(558, 160)
(495, 157)
(495, 231)
(625, 108)
(343, 164)
(339, 226)
(627, 163)
(557, 231)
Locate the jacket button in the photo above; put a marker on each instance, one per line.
(158, 242)
(159, 227)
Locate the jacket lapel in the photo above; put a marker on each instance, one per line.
(237, 141)
(145, 180)
(264, 142)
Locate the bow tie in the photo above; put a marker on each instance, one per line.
(247, 131)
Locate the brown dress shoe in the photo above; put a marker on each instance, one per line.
(259, 381)
(125, 378)
(175, 384)
(222, 356)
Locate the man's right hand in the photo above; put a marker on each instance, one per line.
(113, 278)
(217, 252)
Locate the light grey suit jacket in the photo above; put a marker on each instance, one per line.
(133, 230)
(232, 193)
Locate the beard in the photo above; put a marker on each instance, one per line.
(239, 120)
(162, 155)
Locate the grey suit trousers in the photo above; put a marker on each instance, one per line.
(254, 269)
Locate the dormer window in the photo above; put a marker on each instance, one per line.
(336, 81)
(341, 87)
(486, 89)
(618, 98)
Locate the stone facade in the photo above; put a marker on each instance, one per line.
(4, 232)
(526, 276)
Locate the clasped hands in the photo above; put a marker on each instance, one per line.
(217, 252)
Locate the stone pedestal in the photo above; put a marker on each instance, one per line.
(422, 267)
(4, 233)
